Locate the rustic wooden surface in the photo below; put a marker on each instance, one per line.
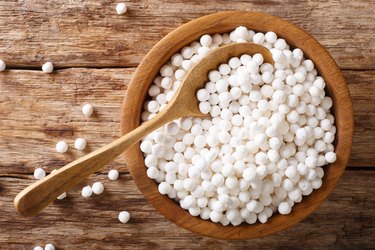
(345, 220)
(89, 33)
(37, 110)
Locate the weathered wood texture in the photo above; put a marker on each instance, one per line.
(90, 33)
(344, 221)
(362, 90)
(38, 109)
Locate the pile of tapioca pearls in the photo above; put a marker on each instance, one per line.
(270, 134)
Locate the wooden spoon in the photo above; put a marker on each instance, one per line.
(39, 194)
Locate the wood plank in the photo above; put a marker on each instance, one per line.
(362, 90)
(345, 220)
(38, 110)
(91, 34)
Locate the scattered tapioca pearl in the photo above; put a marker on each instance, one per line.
(47, 67)
(86, 191)
(87, 110)
(121, 8)
(62, 196)
(2, 65)
(113, 174)
(80, 144)
(61, 147)
(124, 216)
(97, 188)
(271, 131)
(39, 173)
(49, 246)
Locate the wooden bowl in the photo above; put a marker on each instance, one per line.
(220, 23)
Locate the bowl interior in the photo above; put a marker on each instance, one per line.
(220, 23)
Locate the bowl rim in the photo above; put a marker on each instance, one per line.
(222, 22)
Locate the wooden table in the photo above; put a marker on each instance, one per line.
(95, 52)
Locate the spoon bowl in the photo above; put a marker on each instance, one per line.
(185, 103)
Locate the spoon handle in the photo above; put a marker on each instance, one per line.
(39, 194)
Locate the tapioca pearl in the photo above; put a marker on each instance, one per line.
(280, 74)
(177, 59)
(187, 52)
(280, 44)
(270, 37)
(330, 157)
(258, 38)
(214, 75)
(187, 65)
(328, 137)
(234, 62)
(326, 103)
(206, 40)
(319, 82)
(245, 58)
(241, 32)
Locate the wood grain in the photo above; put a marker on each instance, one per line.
(362, 90)
(91, 34)
(37, 110)
(344, 221)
